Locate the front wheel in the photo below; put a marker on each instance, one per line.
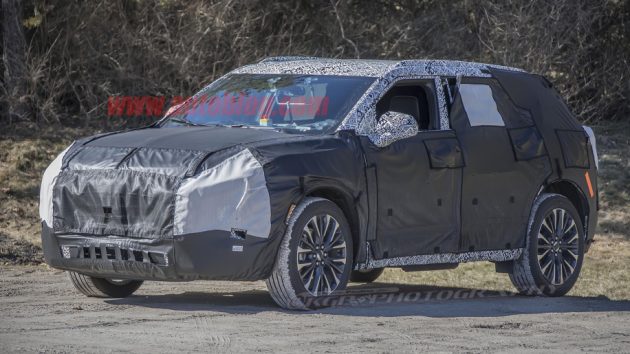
(315, 257)
(101, 287)
(552, 258)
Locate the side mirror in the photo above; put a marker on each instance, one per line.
(393, 126)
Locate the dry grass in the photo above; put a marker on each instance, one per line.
(23, 158)
(606, 272)
(614, 179)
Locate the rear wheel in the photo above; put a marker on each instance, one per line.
(101, 287)
(315, 257)
(365, 276)
(554, 251)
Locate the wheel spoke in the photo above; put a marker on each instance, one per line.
(545, 253)
(553, 221)
(335, 272)
(573, 239)
(566, 220)
(323, 226)
(545, 267)
(570, 252)
(568, 225)
(560, 268)
(543, 238)
(324, 222)
(302, 250)
(547, 229)
(307, 237)
(335, 267)
(559, 219)
(566, 247)
(316, 231)
(317, 279)
(553, 270)
(337, 249)
(326, 286)
(571, 232)
(332, 234)
(306, 263)
(341, 244)
(307, 278)
(569, 266)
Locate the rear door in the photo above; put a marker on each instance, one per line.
(506, 163)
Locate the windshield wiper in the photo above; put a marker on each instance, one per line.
(186, 121)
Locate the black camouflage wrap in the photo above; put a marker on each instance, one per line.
(454, 194)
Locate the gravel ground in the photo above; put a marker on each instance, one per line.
(41, 312)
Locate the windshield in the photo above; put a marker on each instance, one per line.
(305, 104)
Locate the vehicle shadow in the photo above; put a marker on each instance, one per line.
(386, 300)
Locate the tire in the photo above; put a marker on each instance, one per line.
(551, 260)
(298, 289)
(365, 276)
(101, 287)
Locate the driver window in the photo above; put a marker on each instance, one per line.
(413, 98)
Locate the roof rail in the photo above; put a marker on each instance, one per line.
(286, 58)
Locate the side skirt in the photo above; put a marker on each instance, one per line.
(441, 258)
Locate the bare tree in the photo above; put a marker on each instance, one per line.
(14, 57)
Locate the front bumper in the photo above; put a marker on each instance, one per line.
(212, 255)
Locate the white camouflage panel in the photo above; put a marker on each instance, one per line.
(230, 195)
(443, 258)
(46, 189)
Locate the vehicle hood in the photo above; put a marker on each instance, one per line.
(176, 151)
(207, 139)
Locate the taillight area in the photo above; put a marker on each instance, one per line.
(589, 184)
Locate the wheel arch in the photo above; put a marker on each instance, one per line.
(345, 202)
(576, 196)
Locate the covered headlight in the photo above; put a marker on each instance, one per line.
(231, 195)
(46, 189)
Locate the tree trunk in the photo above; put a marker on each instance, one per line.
(14, 57)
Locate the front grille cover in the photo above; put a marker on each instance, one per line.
(114, 252)
(114, 202)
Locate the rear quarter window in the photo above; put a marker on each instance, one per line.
(480, 106)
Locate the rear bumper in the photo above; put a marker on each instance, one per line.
(212, 255)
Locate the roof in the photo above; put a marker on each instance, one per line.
(366, 67)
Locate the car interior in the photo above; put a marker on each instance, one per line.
(407, 99)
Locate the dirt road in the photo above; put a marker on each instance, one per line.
(41, 312)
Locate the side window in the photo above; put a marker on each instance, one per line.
(480, 106)
(486, 103)
(416, 98)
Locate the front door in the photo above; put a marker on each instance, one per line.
(418, 179)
